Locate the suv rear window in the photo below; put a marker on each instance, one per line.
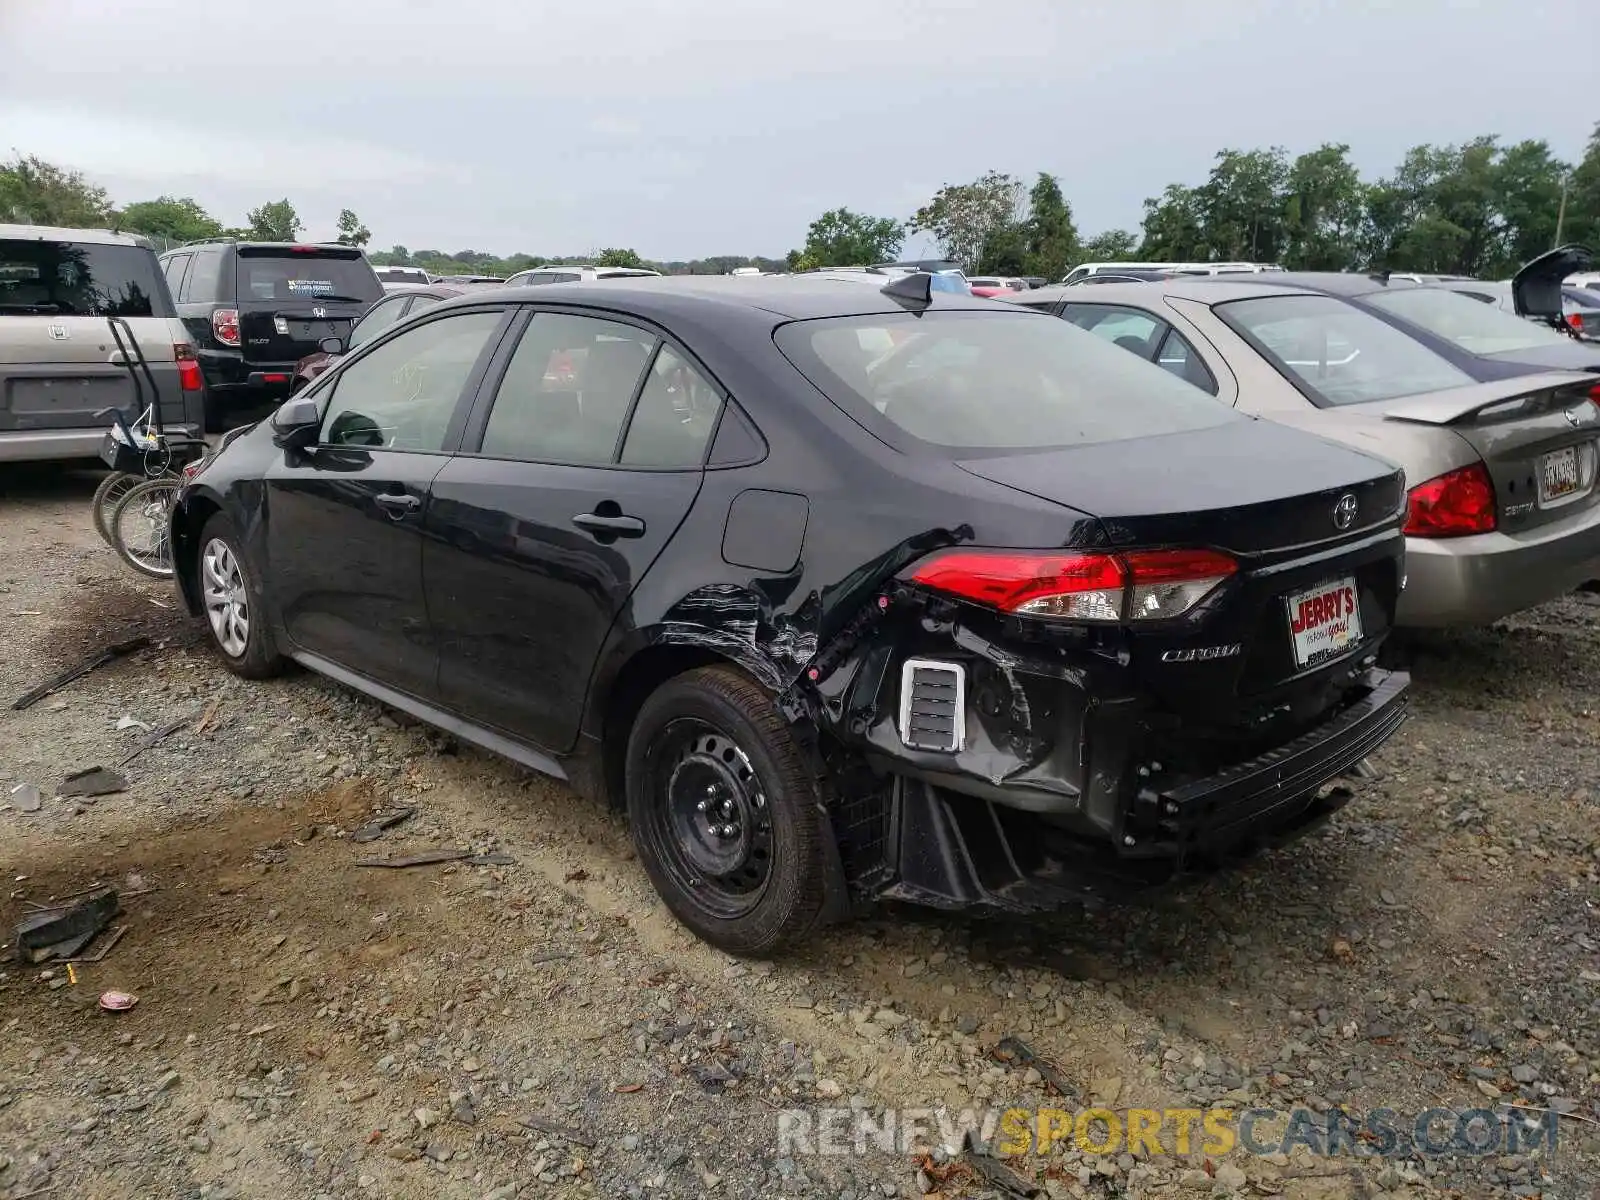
(80, 279)
(284, 274)
(975, 381)
(1337, 354)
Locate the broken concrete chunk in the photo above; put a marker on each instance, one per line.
(24, 797)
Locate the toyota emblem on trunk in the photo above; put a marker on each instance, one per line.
(1345, 511)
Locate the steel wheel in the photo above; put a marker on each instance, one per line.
(711, 817)
(227, 602)
(139, 527)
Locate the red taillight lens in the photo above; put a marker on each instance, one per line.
(189, 377)
(1452, 505)
(1575, 322)
(273, 377)
(225, 324)
(304, 249)
(1139, 585)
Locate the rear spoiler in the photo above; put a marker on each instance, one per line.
(1465, 405)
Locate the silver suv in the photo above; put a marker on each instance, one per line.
(75, 306)
(574, 274)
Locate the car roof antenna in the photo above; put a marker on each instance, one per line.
(914, 291)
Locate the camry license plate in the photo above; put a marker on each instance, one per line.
(1324, 621)
(1558, 474)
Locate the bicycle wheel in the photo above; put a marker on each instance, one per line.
(106, 498)
(139, 526)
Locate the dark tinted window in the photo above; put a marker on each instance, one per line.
(204, 284)
(315, 274)
(80, 279)
(174, 268)
(967, 381)
(402, 395)
(1339, 354)
(1179, 358)
(674, 418)
(566, 390)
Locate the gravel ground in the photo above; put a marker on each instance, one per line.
(538, 1025)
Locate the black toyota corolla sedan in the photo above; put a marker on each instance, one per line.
(843, 592)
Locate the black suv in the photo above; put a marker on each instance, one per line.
(254, 309)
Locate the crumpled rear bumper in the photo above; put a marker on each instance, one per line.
(930, 845)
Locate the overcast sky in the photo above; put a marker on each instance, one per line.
(685, 128)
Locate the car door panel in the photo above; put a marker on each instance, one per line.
(345, 519)
(585, 463)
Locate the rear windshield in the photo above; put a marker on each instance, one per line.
(301, 275)
(1336, 353)
(1477, 328)
(80, 279)
(974, 381)
(401, 275)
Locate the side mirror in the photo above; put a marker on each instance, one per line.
(296, 422)
(331, 345)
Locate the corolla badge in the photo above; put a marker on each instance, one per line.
(1345, 511)
(1202, 653)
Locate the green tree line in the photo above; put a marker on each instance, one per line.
(1482, 208)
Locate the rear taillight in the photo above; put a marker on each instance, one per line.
(189, 377)
(225, 324)
(1594, 394)
(1138, 585)
(1575, 322)
(1452, 505)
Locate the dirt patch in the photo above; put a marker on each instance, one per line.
(105, 608)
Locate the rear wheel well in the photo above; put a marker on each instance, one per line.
(640, 676)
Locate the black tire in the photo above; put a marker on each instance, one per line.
(257, 657)
(715, 728)
(106, 499)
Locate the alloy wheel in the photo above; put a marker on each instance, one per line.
(227, 603)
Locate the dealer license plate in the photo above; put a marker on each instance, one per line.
(1324, 621)
(1558, 474)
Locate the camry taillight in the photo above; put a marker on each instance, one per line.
(1452, 505)
(1136, 585)
(225, 324)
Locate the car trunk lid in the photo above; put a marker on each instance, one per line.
(1536, 289)
(1314, 530)
(292, 297)
(1538, 436)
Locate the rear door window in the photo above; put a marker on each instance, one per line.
(204, 283)
(1134, 330)
(1178, 357)
(174, 269)
(278, 275)
(567, 390)
(1337, 354)
(674, 418)
(80, 279)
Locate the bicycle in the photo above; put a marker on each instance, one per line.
(138, 453)
(140, 525)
